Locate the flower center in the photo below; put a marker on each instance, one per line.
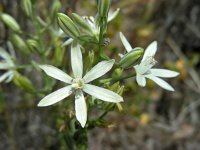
(146, 65)
(77, 83)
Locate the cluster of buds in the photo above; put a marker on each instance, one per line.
(86, 28)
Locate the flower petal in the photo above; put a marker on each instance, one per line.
(120, 55)
(160, 82)
(76, 60)
(5, 76)
(141, 80)
(56, 73)
(99, 70)
(80, 108)
(150, 50)
(125, 42)
(101, 93)
(5, 56)
(113, 15)
(67, 42)
(10, 77)
(56, 96)
(164, 73)
(4, 66)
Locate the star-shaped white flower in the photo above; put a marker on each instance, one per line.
(79, 84)
(6, 64)
(144, 69)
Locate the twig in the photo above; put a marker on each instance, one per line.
(192, 72)
(190, 108)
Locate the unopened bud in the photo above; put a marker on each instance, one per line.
(27, 7)
(131, 58)
(10, 22)
(23, 82)
(67, 25)
(81, 22)
(55, 9)
(19, 43)
(33, 44)
(103, 6)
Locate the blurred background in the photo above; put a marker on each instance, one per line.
(152, 118)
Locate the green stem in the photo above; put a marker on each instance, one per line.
(105, 113)
(103, 24)
(23, 66)
(119, 78)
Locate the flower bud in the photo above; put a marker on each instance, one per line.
(81, 22)
(55, 9)
(103, 7)
(131, 58)
(33, 45)
(19, 43)
(23, 83)
(27, 7)
(10, 22)
(67, 25)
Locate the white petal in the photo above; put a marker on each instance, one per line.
(10, 77)
(164, 73)
(141, 80)
(4, 65)
(67, 42)
(56, 96)
(125, 42)
(5, 55)
(5, 76)
(101, 93)
(76, 60)
(113, 15)
(99, 70)
(150, 50)
(11, 49)
(80, 108)
(120, 55)
(160, 82)
(56, 73)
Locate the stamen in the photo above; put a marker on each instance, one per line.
(77, 83)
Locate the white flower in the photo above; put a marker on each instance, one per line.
(144, 69)
(7, 65)
(79, 84)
